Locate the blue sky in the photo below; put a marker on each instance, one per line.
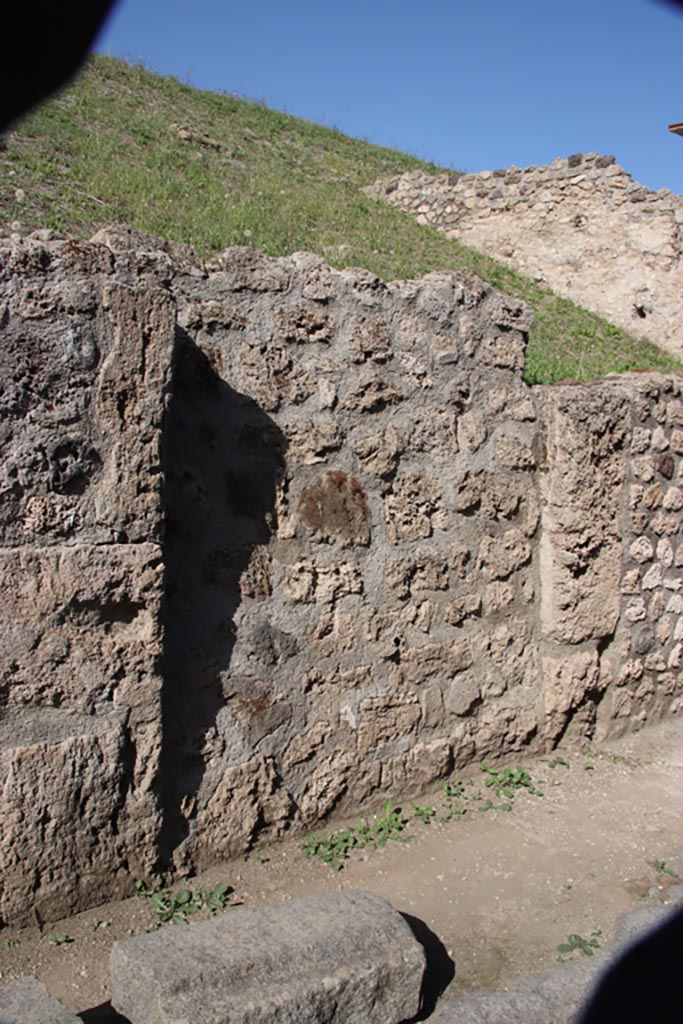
(468, 84)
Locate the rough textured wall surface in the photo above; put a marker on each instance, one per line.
(84, 369)
(611, 549)
(580, 225)
(279, 539)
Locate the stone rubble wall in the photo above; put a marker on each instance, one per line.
(279, 540)
(580, 225)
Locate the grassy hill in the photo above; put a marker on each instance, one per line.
(123, 144)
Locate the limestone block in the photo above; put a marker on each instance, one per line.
(665, 524)
(644, 468)
(312, 441)
(384, 718)
(630, 583)
(334, 633)
(371, 394)
(246, 801)
(498, 594)
(665, 553)
(272, 375)
(652, 496)
(300, 324)
(641, 550)
(462, 695)
(431, 700)
(304, 582)
(677, 441)
(673, 499)
(664, 629)
(80, 669)
(80, 452)
(466, 491)
(432, 432)
(640, 440)
(568, 683)
(652, 578)
(380, 453)
(501, 556)
(638, 521)
(304, 745)
(513, 453)
(339, 957)
(500, 496)
(414, 508)
(471, 431)
(505, 351)
(62, 800)
(580, 551)
(324, 783)
(463, 608)
(327, 394)
(370, 341)
(416, 769)
(436, 660)
(635, 610)
(635, 492)
(27, 1001)
(659, 441)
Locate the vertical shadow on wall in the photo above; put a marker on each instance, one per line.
(223, 457)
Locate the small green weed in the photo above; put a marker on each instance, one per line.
(11, 943)
(453, 790)
(59, 939)
(505, 781)
(334, 848)
(576, 943)
(558, 762)
(424, 814)
(176, 907)
(662, 868)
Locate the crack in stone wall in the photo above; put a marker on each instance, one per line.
(279, 540)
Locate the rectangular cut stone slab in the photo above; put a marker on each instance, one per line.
(27, 1001)
(333, 958)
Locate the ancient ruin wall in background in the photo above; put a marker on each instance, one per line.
(279, 539)
(579, 225)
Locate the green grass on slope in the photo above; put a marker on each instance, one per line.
(105, 151)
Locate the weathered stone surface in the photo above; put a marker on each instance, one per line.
(580, 551)
(554, 997)
(570, 684)
(340, 957)
(27, 1001)
(87, 355)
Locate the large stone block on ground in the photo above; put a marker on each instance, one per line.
(338, 957)
(27, 1001)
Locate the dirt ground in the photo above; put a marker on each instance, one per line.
(500, 889)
